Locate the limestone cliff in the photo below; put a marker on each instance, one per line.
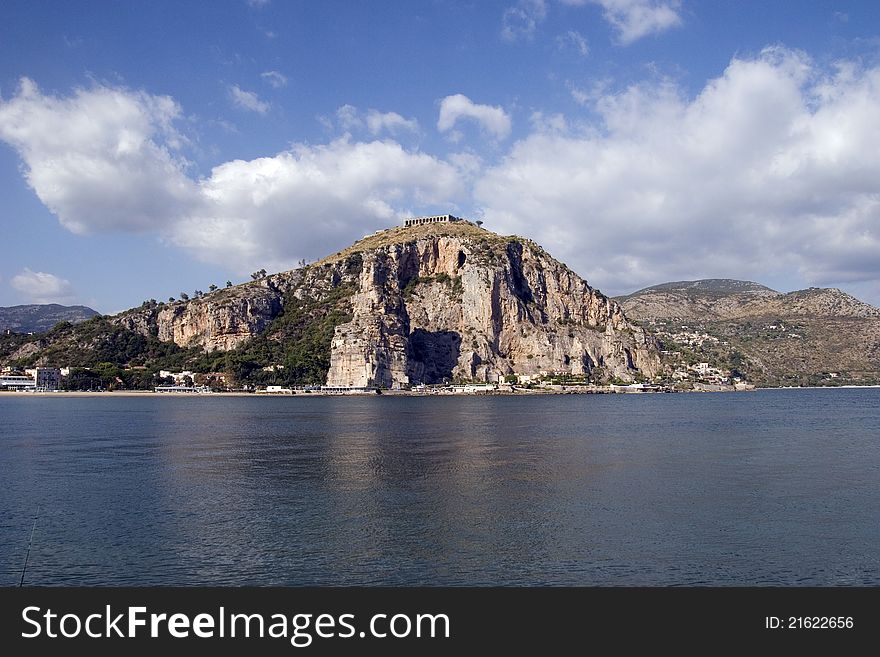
(455, 302)
(220, 320)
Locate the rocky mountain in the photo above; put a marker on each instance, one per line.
(692, 300)
(454, 301)
(36, 318)
(719, 299)
(421, 304)
(817, 336)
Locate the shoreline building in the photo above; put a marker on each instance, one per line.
(434, 219)
(47, 378)
(17, 382)
(39, 379)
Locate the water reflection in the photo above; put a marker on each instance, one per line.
(772, 487)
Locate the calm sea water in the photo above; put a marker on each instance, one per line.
(772, 487)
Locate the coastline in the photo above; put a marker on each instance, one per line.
(391, 393)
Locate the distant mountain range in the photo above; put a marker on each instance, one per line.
(36, 318)
(723, 298)
(817, 336)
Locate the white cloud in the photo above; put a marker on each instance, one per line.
(349, 118)
(520, 21)
(635, 19)
(101, 159)
(310, 201)
(247, 100)
(772, 172)
(573, 39)
(392, 122)
(40, 287)
(274, 78)
(492, 119)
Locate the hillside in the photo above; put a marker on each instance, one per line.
(424, 304)
(817, 336)
(36, 318)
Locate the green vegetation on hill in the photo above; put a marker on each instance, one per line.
(817, 336)
(89, 343)
(106, 356)
(294, 349)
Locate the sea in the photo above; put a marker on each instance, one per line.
(771, 487)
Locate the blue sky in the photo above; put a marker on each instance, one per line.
(150, 148)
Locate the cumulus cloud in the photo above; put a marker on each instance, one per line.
(349, 118)
(311, 200)
(247, 100)
(634, 19)
(392, 122)
(41, 287)
(274, 78)
(493, 119)
(772, 172)
(101, 159)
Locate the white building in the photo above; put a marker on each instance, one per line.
(434, 219)
(178, 377)
(17, 382)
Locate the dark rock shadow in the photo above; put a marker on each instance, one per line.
(438, 351)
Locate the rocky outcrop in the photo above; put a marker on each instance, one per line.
(220, 320)
(426, 304)
(455, 302)
(228, 317)
(219, 324)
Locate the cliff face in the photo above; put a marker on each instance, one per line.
(221, 320)
(454, 302)
(426, 304)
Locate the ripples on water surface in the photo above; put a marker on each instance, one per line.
(772, 487)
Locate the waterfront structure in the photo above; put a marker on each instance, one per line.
(47, 378)
(183, 389)
(277, 390)
(434, 219)
(341, 390)
(470, 388)
(17, 382)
